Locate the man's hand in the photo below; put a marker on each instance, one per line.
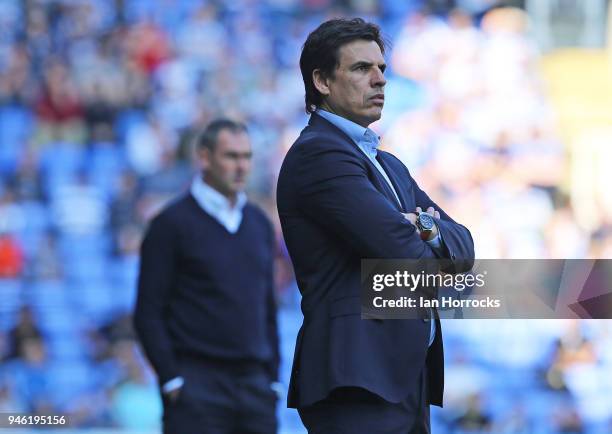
(412, 216)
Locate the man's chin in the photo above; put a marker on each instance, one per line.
(374, 115)
(238, 187)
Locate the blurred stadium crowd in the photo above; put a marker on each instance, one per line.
(99, 101)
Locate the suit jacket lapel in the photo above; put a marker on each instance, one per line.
(385, 185)
(381, 185)
(399, 184)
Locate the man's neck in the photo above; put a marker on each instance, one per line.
(231, 197)
(327, 108)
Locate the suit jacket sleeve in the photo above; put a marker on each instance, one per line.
(272, 324)
(334, 190)
(157, 271)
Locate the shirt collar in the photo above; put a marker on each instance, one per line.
(360, 135)
(217, 205)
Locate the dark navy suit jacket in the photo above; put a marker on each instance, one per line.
(335, 209)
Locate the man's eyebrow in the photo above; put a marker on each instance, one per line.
(361, 63)
(239, 154)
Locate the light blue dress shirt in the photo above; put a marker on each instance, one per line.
(368, 142)
(217, 205)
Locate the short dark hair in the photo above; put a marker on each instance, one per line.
(207, 139)
(321, 51)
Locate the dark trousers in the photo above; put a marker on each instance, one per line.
(221, 398)
(353, 410)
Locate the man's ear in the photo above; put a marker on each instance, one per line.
(320, 82)
(203, 156)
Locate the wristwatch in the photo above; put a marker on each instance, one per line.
(425, 222)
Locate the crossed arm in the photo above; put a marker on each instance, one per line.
(335, 191)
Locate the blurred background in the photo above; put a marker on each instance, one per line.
(501, 110)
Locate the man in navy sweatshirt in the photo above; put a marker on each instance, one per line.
(206, 312)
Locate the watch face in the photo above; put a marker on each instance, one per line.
(426, 221)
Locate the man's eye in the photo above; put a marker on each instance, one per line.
(363, 68)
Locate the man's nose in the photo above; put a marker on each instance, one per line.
(378, 80)
(244, 164)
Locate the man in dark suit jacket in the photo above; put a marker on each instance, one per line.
(205, 313)
(340, 200)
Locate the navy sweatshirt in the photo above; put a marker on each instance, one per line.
(205, 292)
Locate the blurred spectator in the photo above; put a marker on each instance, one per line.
(79, 208)
(24, 336)
(32, 376)
(59, 109)
(12, 216)
(16, 80)
(11, 257)
(122, 212)
(475, 419)
(147, 46)
(149, 145)
(105, 339)
(135, 401)
(8, 401)
(568, 421)
(5, 347)
(26, 180)
(570, 349)
(202, 39)
(515, 422)
(45, 263)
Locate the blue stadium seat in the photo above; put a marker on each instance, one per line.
(86, 268)
(16, 124)
(50, 305)
(105, 162)
(60, 163)
(91, 245)
(46, 294)
(11, 300)
(61, 321)
(126, 120)
(37, 221)
(123, 273)
(69, 380)
(95, 300)
(66, 347)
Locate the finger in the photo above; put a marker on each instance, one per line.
(437, 215)
(411, 217)
(419, 210)
(175, 394)
(430, 210)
